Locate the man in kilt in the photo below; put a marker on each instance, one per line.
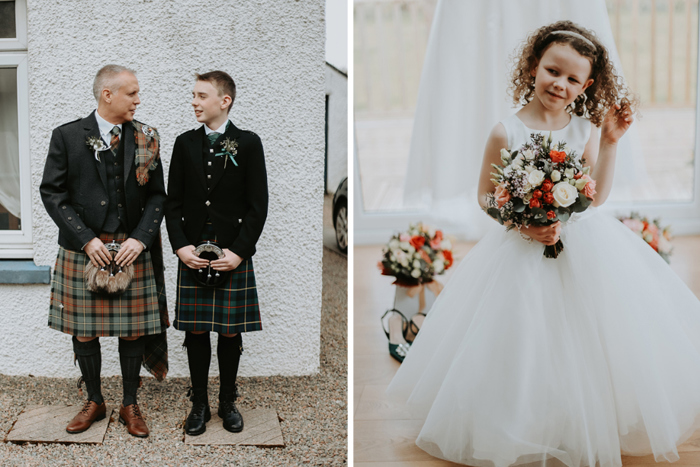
(217, 191)
(103, 183)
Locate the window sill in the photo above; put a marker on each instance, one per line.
(23, 272)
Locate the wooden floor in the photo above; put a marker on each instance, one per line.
(384, 432)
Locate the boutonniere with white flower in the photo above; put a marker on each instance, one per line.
(229, 151)
(96, 144)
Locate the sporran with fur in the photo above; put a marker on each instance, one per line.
(111, 279)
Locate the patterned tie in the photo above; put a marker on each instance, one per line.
(213, 136)
(114, 142)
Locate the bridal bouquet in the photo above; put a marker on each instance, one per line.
(659, 238)
(416, 256)
(539, 184)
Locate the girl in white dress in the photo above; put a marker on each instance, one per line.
(582, 358)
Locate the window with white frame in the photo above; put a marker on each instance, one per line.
(15, 189)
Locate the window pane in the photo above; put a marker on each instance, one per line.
(9, 151)
(8, 28)
(657, 43)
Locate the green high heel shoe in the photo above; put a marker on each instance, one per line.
(395, 327)
(414, 325)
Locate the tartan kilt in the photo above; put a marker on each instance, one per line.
(230, 308)
(79, 312)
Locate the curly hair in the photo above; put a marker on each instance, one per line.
(607, 89)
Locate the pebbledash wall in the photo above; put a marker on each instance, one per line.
(274, 50)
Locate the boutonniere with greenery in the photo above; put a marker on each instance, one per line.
(96, 144)
(229, 151)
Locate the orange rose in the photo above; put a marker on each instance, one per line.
(417, 241)
(551, 215)
(547, 185)
(537, 194)
(557, 156)
(589, 189)
(438, 235)
(535, 203)
(502, 196)
(447, 254)
(548, 198)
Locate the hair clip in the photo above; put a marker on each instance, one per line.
(576, 35)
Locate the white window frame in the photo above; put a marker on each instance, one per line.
(19, 42)
(17, 244)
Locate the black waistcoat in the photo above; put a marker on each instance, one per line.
(116, 210)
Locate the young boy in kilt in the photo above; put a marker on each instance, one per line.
(103, 183)
(217, 191)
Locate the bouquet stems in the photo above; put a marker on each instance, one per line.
(552, 251)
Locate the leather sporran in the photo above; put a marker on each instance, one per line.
(111, 279)
(208, 276)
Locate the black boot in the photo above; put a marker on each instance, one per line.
(200, 414)
(198, 357)
(229, 353)
(89, 356)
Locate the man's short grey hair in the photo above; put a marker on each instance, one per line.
(106, 78)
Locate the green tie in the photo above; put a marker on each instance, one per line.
(213, 136)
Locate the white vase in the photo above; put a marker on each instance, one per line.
(410, 306)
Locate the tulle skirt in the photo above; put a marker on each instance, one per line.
(581, 358)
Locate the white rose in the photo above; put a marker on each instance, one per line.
(519, 161)
(507, 171)
(529, 154)
(404, 262)
(535, 178)
(438, 266)
(446, 245)
(564, 194)
(410, 249)
(404, 245)
(555, 176)
(569, 173)
(415, 273)
(529, 168)
(416, 264)
(393, 244)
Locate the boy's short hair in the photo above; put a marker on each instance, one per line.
(222, 82)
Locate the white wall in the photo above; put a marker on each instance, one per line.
(337, 90)
(274, 50)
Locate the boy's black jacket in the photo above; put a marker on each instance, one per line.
(236, 202)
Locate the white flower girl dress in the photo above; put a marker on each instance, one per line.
(581, 358)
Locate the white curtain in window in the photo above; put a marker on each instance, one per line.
(463, 94)
(9, 142)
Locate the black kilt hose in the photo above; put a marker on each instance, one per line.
(230, 308)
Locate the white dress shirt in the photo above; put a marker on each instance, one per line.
(106, 128)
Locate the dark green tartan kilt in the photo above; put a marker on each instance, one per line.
(230, 308)
(79, 312)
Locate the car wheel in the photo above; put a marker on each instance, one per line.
(341, 226)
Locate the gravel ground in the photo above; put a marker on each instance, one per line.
(313, 409)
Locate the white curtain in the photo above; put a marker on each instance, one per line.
(463, 94)
(9, 142)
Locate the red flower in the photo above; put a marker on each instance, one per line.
(447, 254)
(551, 215)
(548, 198)
(557, 156)
(578, 175)
(417, 241)
(537, 194)
(547, 185)
(535, 203)
(438, 235)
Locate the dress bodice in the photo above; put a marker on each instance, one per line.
(576, 133)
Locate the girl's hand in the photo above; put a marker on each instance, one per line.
(617, 121)
(545, 234)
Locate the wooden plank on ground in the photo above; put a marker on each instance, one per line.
(47, 424)
(261, 427)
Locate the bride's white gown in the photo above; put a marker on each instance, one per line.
(580, 358)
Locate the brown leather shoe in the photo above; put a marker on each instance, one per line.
(132, 418)
(91, 412)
